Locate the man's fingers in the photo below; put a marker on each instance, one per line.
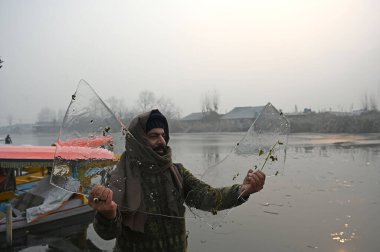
(255, 180)
(249, 172)
(109, 197)
(95, 191)
(258, 181)
(261, 174)
(104, 194)
(98, 193)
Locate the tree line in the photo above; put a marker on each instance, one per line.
(323, 122)
(327, 122)
(146, 101)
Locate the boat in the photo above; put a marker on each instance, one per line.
(42, 209)
(21, 167)
(36, 205)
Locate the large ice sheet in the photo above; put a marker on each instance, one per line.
(262, 148)
(90, 142)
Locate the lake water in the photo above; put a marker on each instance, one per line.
(327, 200)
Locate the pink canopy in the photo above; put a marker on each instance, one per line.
(48, 152)
(13, 156)
(27, 152)
(82, 153)
(87, 142)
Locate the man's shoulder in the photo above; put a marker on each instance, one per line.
(181, 169)
(179, 166)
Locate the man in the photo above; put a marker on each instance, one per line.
(143, 207)
(8, 139)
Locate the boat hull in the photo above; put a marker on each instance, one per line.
(55, 222)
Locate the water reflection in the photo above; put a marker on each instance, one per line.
(200, 151)
(211, 155)
(343, 236)
(366, 153)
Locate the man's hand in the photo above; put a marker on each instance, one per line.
(253, 182)
(100, 199)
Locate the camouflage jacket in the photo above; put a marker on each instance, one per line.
(164, 232)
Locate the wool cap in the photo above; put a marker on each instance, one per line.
(156, 120)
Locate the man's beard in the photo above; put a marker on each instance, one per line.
(161, 149)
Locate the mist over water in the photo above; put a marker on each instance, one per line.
(327, 200)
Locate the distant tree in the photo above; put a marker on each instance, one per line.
(210, 102)
(372, 103)
(10, 119)
(60, 115)
(117, 106)
(215, 101)
(206, 103)
(168, 108)
(365, 102)
(147, 101)
(369, 102)
(1, 62)
(295, 108)
(46, 115)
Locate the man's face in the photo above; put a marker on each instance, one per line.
(156, 140)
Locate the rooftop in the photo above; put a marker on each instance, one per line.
(243, 113)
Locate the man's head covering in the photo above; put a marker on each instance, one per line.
(138, 126)
(156, 120)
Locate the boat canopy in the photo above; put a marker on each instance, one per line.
(87, 142)
(43, 156)
(26, 155)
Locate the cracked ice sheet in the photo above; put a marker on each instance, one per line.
(90, 142)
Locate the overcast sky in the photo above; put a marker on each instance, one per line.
(318, 54)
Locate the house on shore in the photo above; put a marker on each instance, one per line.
(201, 122)
(240, 118)
(193, 117)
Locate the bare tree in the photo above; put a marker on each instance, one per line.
(10, 119)
(365, 102)
(210, 102)
(372, 103)
(146, 101)
(117, 106)
(1, 62)
(215, 101)
(46, 115)
(369, 102)
(167, 107)
(205, 103)
(60, 115)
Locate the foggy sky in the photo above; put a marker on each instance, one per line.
(316, 54)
